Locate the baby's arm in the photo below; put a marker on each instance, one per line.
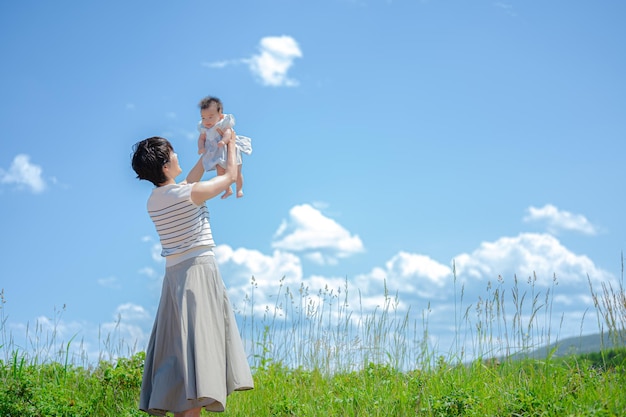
(204, 190)
(226, 136)
(201, 140)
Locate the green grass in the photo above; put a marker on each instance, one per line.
(573, 386)
(529, 388)
(312, 355)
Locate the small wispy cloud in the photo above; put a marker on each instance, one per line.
(506, 7)
(148, 271)
(109, 282)
(560, 220)
(271, 65)
(131, 312)
(221, 64)
(24, 174)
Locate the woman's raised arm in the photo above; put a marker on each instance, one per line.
(202, 191)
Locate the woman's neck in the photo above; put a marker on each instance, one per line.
(170, 181)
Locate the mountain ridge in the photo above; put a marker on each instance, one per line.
(577, 345)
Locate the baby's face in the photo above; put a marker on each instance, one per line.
(210, 116)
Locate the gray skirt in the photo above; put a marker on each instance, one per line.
(195, 357)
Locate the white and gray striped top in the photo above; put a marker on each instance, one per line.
(182, 226)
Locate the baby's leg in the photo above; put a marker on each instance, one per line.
(239, 182)
(222, 171)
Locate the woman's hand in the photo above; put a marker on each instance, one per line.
(227, 136)
(205, 190)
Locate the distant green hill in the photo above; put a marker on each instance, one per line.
(577, 345)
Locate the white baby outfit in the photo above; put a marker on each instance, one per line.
(216, 155)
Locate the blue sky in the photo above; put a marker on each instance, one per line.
(391, 138)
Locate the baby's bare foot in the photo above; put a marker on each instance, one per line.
(239, 194)
(227, 194)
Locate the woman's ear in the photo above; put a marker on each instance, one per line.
(166, 170)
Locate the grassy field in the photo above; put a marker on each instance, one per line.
(313, 356)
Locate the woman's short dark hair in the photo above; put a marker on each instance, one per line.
(149, 157)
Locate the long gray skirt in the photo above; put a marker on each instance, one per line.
(195, 357)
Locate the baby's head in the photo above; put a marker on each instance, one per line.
(210, 111)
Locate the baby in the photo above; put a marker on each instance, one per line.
(211, 145)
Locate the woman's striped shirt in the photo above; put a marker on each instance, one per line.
(182, 226)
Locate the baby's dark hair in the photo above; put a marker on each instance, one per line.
(205, 103)
(149, 157)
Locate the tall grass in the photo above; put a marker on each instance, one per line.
(323, 353)
(610, 304)
(321, 330)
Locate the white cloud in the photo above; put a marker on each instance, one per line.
(307, 230)
(23, 173)
(407, 264)
(321, 259)
(156, 253)
(560, 220)
(538, 259)
(50, 338)
(219, 64)
(506, 7)
(128, 333)
(247, 271)
(131, 312)
(419, 273)
(539, 262)
(246, 263)
(148, 271)
(155, 279)
(271, 65)
(276, 56)
(417, 277)
(551, 283)
(425, 291)
(109, 282)
(536, 263)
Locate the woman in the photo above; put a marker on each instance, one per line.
(195, 357)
